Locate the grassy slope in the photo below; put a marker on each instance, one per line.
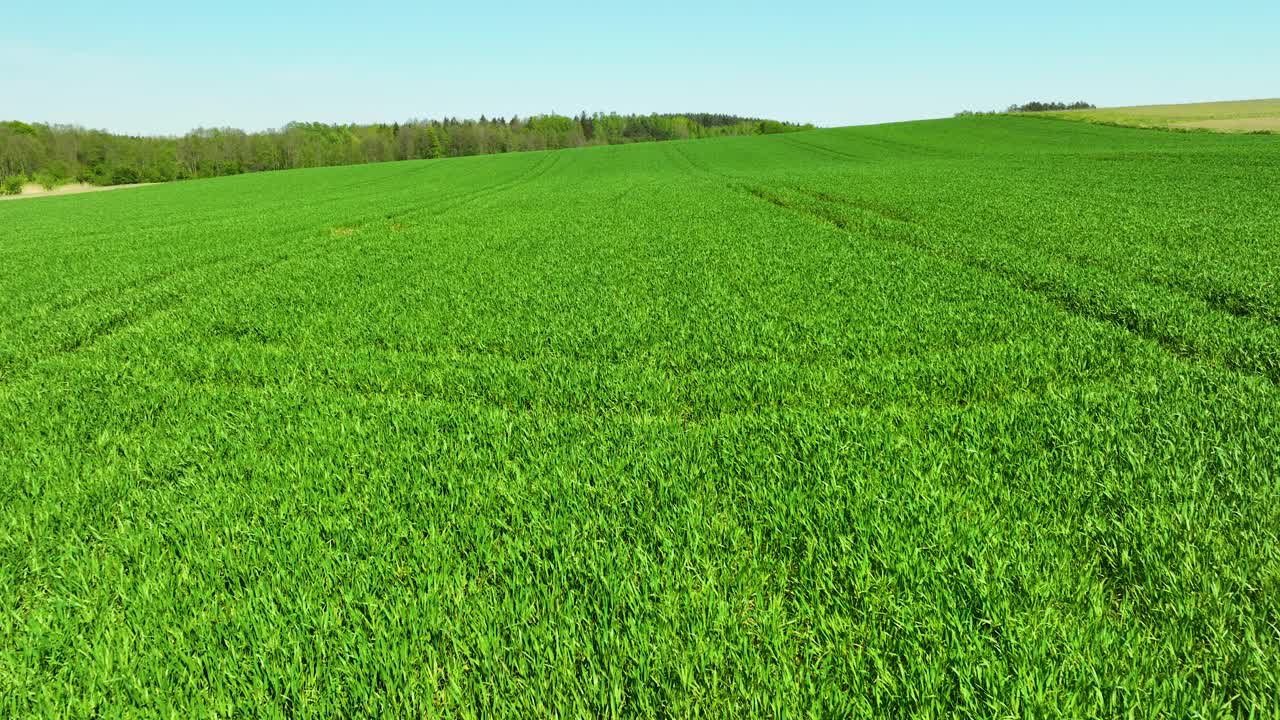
(972, 415)
(1232, 116)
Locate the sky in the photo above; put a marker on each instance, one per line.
(152, 68)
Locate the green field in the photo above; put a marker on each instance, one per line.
(1236, 116)
(971, 417)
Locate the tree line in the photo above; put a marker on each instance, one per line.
(55, 154)
(1033, 106)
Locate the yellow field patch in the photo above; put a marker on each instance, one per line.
(1229, 116)
(1270, 124)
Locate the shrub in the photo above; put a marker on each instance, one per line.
(124, 175)
(47, 180)
(12, 185)
(1038, 106)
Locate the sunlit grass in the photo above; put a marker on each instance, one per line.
(972, 417)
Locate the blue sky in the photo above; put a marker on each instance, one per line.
(157, 67)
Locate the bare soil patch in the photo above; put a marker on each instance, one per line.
(33, 190)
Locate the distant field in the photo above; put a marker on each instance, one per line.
(1236, 116)
(963, 418)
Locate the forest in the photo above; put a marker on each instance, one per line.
(56, 154)
(1032, 107)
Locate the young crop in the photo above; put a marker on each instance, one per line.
(967, 417)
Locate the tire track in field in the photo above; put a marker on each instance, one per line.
(238, 271)
(1262, 362)
(413, 202)
(427, 166)
(142, 284)
(457, 200)
(138, 284)
(1225, 300)
(13, 370)
(16, 369)
(695, 167)
(539, 169)
(1257, 362)
(129, 318)
(821, 149)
